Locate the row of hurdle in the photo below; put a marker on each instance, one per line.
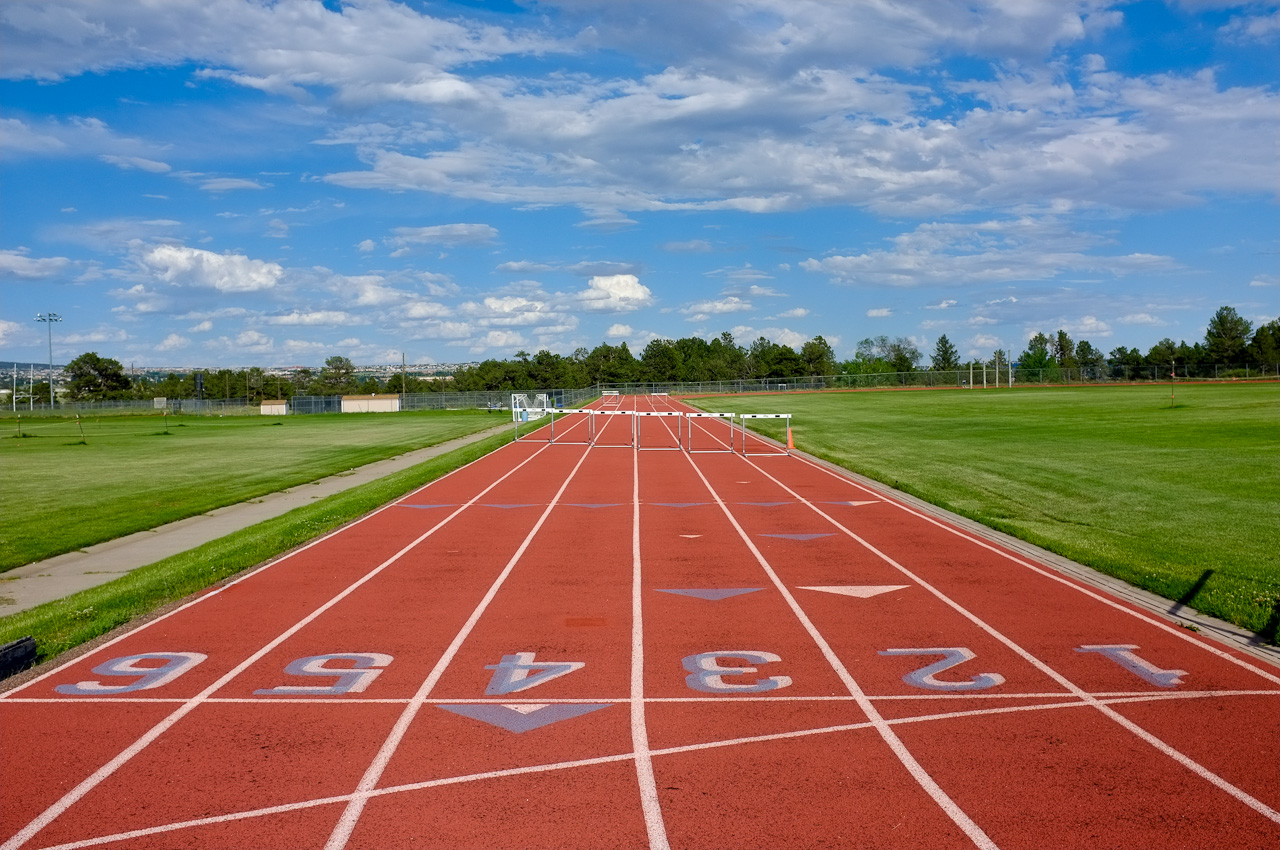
(597, 419)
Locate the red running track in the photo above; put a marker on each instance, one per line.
(573, 646)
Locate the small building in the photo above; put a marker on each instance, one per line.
(371, 403)
(275, 407)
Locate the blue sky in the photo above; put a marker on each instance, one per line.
(230, 183)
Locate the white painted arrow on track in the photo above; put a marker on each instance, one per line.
(860, 591)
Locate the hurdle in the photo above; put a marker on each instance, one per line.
(610, 398)
(596, 431)
(689, 439)
(679, 430)
(786, 449)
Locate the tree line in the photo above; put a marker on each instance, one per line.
(1229, 339)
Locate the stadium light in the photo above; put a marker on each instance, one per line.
(49, 319)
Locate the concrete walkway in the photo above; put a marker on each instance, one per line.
(63, 575)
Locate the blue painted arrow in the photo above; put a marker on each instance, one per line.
(715, 594)
(522, 718)
(586, 505)
(505, 507)
(427, 506)
(796, 536)
(679, 504)
(764, 504)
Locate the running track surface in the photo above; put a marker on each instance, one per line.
(573, 646)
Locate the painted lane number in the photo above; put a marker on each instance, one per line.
(708, 675)
(520, 671)
(926, 677)
(353, 679)
(149, 675)
(1123, 655)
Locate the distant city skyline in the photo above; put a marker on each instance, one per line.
(236, 183)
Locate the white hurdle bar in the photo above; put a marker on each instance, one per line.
(745, 416)
(679, 430)
(689, 440)
(595, 432)
(520, 415)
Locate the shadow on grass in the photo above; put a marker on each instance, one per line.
(1268, 634)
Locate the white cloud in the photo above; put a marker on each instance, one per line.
(11, 332)
(229, 184)
(136, 162)
(796, 313)
(995, 251)
(1265, 280)
(201, 327)
(366, 246)
(16, 263)
(444, 234)
(173, 342)
(693, 246)
(614, 293)
(315, 317)
(277, 229)
(879, 313)
(617, 331)
(1140, 319)
(182, 266)
(942, 305)
(524, 267)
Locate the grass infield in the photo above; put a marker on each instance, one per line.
(66, 623)
(61, 491)
(1181, 500)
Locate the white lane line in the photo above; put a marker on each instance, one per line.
(1055, 576)
(649, 802)
(1190, 764)
(589, 762)
(250, 574)
(975, 833)
(70, 798)
(351, 816)
(922, 697)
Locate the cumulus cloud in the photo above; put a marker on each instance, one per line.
(182, 266)
(173, 342)
(17, 263)
(614, 293)
(941, 305)
(618, 331)
(1140, 319)
(700, 311)
(879, 313)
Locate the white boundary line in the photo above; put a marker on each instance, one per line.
(368, 783)
(96, 778)
(926, 782)
(922, 697)
(1187, 762)
(654, 825)
(566, 765)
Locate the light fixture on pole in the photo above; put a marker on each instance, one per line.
(49, 319)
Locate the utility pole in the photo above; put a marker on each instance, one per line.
(49, 319)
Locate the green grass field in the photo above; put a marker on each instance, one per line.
(58, 494)
(1115, 478)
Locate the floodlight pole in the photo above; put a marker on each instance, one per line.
(49, 319)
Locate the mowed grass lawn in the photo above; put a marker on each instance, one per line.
(1116, 478)
(58, 495)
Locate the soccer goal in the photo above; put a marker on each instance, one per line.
(525, 410)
